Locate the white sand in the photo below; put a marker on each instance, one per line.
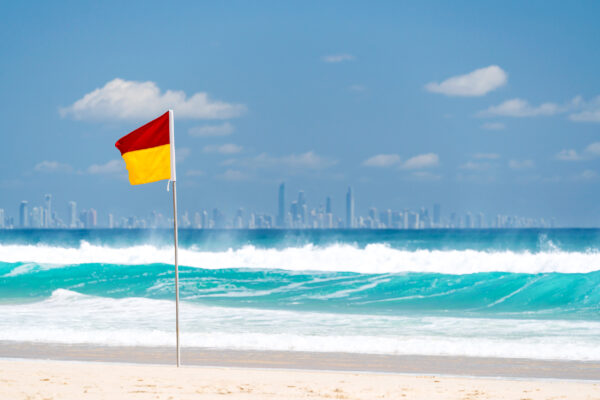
(37, 380)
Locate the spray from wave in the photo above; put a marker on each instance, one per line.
(376, 258)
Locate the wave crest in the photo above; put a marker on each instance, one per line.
(374, 258)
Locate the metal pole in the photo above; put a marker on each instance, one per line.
(176, 272)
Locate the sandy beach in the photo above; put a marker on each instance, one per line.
(484, 367)
(45, 371)
(50, 380)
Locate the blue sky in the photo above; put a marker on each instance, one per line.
(480, 106)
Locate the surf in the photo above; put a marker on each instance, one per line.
(376, 258)
(73, 318)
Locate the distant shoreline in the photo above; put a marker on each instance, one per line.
(342, 362)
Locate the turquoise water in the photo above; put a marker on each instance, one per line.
(518, 293)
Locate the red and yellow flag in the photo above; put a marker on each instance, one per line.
(148, 150)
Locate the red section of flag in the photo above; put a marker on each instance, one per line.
(154, 133)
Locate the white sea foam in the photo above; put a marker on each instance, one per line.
(374, 258)
(69, 317)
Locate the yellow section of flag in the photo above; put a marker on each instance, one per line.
(148, 165)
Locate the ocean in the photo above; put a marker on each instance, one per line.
(499, 293)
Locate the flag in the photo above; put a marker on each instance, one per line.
(149, 154)
(149, 151)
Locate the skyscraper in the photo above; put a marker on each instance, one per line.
(23, 215)
(2, 225)
(239, 219)
(350, 209)
(468, 220)
(281, 206)
(205, 220)
(72, 215)
(437, 215)
(47, 223)
(328, 205)
(91, 218)
(480, 221)
(302, 208)
(37, 217)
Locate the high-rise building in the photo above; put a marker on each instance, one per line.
(281, 207)
(454, 223)
(219, 218)
(373, 220)
(111, 221)
(302, 209)
(389, 219)
(328, 206)
(350, 223)
(205, 220)
(413, 220)
(48, 211)
(23, 214)
(91, 219)
(37, 217)
(239, 219)
(468, 220)
(73, 215)
(304, 215)
(437, 214)
(329, 220)
(480, 221)
(295, 212)
(2, 224)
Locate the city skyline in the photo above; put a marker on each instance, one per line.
(296, 214)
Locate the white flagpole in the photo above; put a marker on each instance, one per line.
(173, 179)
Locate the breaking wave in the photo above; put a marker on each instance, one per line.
(376, 258)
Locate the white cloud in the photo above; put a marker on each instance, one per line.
(587, 175)
(590, 112)
(422, 161)
(586, 116)
(229, 161)
(569, 155)
(475, 166)
(521, 164)
(308, 160)
(493, 126)
(52, 166)
(304, 161)
(233, 175)
(194, 172)
(522, 108)
(382, 160)
(337, 58)
(475, 83)
(111, 167)
(120, 99)
(593, 149)
(580, 110)
(425, 176)
(224, 129)
(486, 156)
(228, 148)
